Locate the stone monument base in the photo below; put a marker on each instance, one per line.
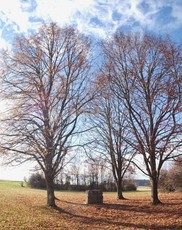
(94, 197)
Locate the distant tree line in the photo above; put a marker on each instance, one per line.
(171, 179)
(77, 181)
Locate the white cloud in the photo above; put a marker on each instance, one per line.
(96, 17)
(17, 173)
(61, 11)
(4, 44)
(176, 12)
(12, 12)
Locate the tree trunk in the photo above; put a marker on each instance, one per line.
(119, 191)
(154, 192)
(50, 191)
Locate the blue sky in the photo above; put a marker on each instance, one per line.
(97, 18)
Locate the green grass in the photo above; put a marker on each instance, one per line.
(4, 183)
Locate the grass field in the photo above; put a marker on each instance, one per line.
(11, 184)
(24, 208)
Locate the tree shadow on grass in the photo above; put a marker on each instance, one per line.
(138, 211)
(92, 221)
(147, 208)
(135, 206)
(73, 203)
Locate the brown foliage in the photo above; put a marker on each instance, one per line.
(136, 213)
(24, 209)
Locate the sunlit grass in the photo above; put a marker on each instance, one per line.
(4, 183)
(25, 208)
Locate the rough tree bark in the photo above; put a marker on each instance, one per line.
(50, 189)
(120, 190)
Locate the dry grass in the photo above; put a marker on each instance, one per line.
(24, 208)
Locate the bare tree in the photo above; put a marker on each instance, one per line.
(145, 73)
(75, 172)
(110, 132)
(46, 76)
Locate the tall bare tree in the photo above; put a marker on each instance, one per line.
(110, 132)
(46, 77)
(146, 75)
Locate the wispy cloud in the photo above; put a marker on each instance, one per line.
(102, 17)
(13, 19)
(96, 17)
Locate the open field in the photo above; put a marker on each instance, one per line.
(24, 208)
(4, 183)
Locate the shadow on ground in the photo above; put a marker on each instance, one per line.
(119, 211)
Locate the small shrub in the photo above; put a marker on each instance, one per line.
(130, 187)
(37, 180)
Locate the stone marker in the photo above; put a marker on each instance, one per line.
(94, 197)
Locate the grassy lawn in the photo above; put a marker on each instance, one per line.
(4, 183)
(24, 208)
